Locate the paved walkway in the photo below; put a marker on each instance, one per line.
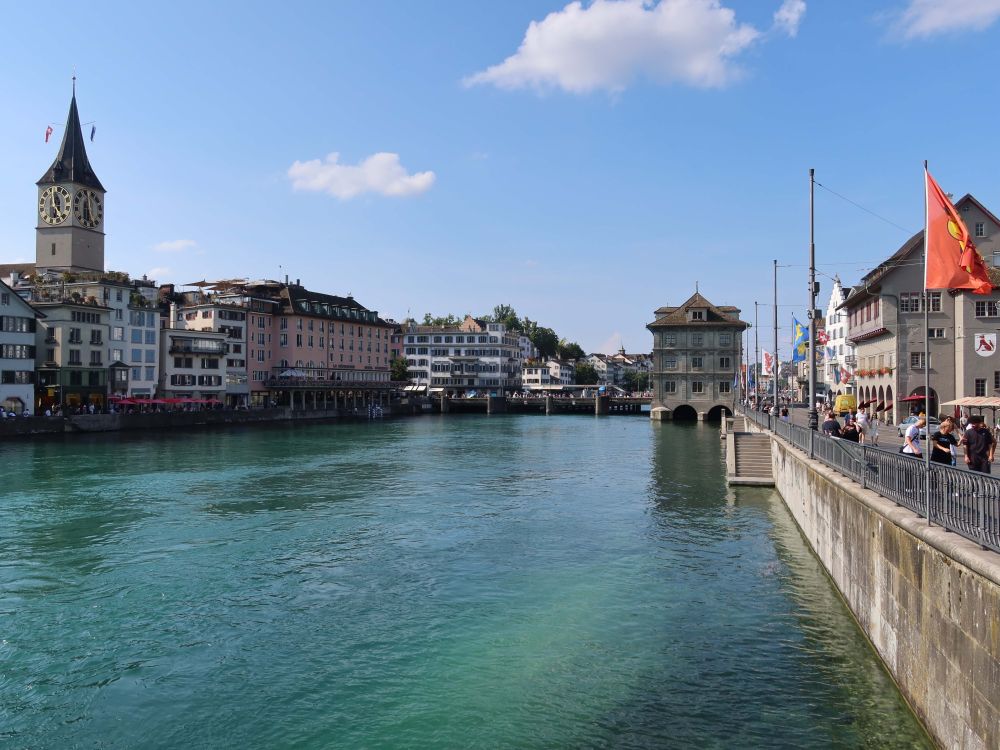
(887, 435)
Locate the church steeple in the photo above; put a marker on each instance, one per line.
(69, 235)
(71, 163)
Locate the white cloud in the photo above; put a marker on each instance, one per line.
(380, 173)
(174, 246)
(157, 273)
(607, 44)
(788, 17)
(923, 18)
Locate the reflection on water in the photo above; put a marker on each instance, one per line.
(513, 581)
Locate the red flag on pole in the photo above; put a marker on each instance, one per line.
(48, 132)
(952, 259)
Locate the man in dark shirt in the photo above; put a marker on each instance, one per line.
(831, 426)
(979, 446)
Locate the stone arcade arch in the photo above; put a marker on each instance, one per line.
(717, 412)
(685, 413)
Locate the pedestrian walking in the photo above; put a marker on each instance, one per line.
(864, 425)
(831, 426)
(911, 443)
(850, 432)
(943, 444)
(980, 446)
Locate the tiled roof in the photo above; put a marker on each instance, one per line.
(714, 315)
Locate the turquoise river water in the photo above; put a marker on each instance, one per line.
(436, 582)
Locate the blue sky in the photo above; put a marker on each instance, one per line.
(614, 159)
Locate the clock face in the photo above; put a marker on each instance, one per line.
(88, 208)
(54, 205)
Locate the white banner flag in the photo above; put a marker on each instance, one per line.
(767, 364)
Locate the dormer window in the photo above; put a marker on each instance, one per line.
(697, 315)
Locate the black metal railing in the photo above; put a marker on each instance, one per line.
(965, 502)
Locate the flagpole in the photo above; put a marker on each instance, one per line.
(813, 415)
(927, 362)
(774, 362)
(756, 352)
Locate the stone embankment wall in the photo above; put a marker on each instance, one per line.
(928, 600)
(153, 422)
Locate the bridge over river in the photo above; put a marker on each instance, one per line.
(600, 404)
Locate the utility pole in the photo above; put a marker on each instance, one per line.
(774, 362)
(756, 353)
(813, 288)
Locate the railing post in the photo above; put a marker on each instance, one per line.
(864, 467)
(812, 436)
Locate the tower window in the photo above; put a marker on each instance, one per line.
(53, 248)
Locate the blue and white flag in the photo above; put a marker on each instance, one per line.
(799, 345)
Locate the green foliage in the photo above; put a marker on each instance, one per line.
(585, 374)
(636, 381)
(508, 316)
(399, 369)
(447, 321)
(570, 350)
(545, 340)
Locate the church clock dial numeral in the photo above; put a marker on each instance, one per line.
(54, 205)
(88, 208)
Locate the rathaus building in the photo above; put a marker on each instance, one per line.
(697, 350)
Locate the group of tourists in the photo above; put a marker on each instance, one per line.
(976, 438)
(858, 427)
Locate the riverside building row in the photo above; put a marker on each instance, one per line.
(881, 320)
(75, 335)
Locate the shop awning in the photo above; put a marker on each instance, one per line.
(880, 407)
(990, 402)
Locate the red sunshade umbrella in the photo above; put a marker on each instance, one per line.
(881, 406)
(912, 398)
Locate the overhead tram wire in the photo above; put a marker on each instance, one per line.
(866, 210)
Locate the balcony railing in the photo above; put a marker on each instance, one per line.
(214, 349)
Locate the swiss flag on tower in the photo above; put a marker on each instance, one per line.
(952, 259)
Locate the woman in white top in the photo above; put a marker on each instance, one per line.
(864, 425)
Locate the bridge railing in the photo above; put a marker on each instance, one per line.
(965, 502)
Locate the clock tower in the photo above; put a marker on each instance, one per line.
(70, 231)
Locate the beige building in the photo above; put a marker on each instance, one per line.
(697, 348)
(885, 319)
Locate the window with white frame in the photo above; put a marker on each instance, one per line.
(987, 309)
(935, 333)
(980, 229)
(980, 386)
(697, 363)
(725, 387)
(725, 363)
(917, 360)
(670, 386)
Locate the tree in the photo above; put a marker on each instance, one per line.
(636, 381)
(570, 350)
(585, 374)
(506, 314)
(447, 321)
(545, 341)
(399, 369)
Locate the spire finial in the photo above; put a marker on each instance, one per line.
(696, 287)
(74, 80)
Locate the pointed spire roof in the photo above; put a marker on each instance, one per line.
(71, 164)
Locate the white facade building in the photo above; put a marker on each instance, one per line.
(230, 319)
(17, 352)
(838, 351)
(473, 356)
